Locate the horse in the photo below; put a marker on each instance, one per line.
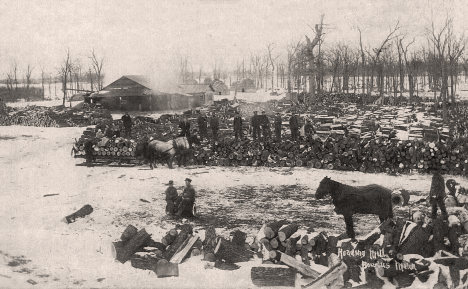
(168, 150)
(371, 199)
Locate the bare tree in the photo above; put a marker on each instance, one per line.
(376, 57)
(409, 68)
(65, 71)
(43, 76)
(272, 60)
(440, 39)
(292, 49)
(310, 53)
(97, 64)
(455, 49)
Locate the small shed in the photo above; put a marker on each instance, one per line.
(203, 92)
(219, 87)
(244, 85)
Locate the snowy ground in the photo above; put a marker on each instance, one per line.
(35, 245)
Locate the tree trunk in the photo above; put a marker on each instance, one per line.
(271, 276)
(179, 240)
(169, 238)
(287, 231)
(81, 213)
(128, 233)
(232, 253)
(271, 230)
(123, 252)
(238, 238)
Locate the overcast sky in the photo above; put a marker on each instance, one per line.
(144, 37)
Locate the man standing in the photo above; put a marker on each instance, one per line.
(202, 126)
(214, 123)
(256, 125)
(127, 123)
(265, 123)
(184, 126)
(437, 195)
(187, 199)
(278, 124)
(294, 126)
(171, 199)
(238, 126)
(89, 149)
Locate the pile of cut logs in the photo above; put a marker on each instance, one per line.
(383, 254)
(52, 116)
(176, 246)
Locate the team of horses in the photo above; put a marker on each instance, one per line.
(152, 151)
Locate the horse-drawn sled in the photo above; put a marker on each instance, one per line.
(121, 152)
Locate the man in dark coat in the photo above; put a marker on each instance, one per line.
(186, 200)
(184, 126)
(437, 195)
(265, 123)
(127, 123)
(171, 199)
(256, 122)
(309, 128)
(238, 126)
(278, 124)
(214, 123)
(88, 148)
(202, 126)
(294, 126)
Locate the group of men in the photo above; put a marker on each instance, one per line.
(180, 206)
(260, 125)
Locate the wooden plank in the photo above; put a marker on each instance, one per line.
(178, 257)
(302, 268)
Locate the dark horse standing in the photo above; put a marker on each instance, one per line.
(348, 200)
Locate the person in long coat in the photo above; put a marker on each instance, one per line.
(202, 126)
(127, 124)
(238, 126)
(265, 123)
(187, 199)
(214, 123)
(294, 125)
(256, 122)
(278, 124)
(184, 126)
(437, 195)
(171, 199)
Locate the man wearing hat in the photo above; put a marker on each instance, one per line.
(171, 198)
(187, 199)
(256, 121)
(127, 123)
(278, 124)
(238, 126)
(214, 123)
(294, 126)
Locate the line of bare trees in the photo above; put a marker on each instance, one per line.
(394, 67)
(73, 75)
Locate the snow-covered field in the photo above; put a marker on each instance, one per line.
(35, 245)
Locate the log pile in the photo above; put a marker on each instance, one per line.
(382, 254)
(53, 116)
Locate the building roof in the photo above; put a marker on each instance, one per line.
(195, 88)
(140, 79)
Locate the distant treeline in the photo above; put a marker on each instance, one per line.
(16, 94)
